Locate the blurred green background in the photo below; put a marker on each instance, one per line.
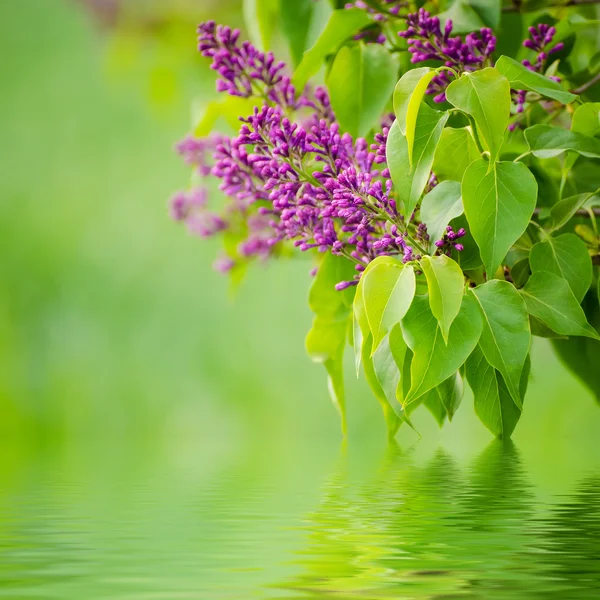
(113, 325)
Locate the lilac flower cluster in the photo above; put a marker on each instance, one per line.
(449, 241)
(540, 41)
(306, 182)
(427, 41)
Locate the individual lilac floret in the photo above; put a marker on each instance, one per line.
(427, 41)
(449, 241)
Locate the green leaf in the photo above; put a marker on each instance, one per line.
(404, 91)
(296, 19)
(342, 24)
(464, 17)
(335, 385)
(326, 340)
(485, 95)
(410, 183)
(388, 292)
(443, 401)
(361, 327)
(260, 17)
(522, 78)
(549, 298)
(455, 152)
(546, 141)
(389, 364)
(506, 337)
(324, 300)
(498, 205)
(580, 355)
(446, 284)
(382, 375)
(492, 400)
(567, 257)
(408, 96)
(520, 272)
(439, 207)
(586, 119)
(434, 360)
(360, 82)
(562, 212)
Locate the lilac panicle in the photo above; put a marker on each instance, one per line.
(427, 41)
(540, 41)
(449, 241)
(291, 174)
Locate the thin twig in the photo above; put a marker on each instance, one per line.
(588, 84)
(582, 212)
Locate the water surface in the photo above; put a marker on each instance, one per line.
(416, 522)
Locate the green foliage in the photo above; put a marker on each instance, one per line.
(546, 141)
(485, 96)
(435, 360)
(499, 203)
(360, 81)
(388, 291)
(503, 171)
(522, 78)
(341, 25)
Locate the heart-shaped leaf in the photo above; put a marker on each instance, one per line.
(498, 205)
(434, 360)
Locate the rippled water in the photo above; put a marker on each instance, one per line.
(391, 524)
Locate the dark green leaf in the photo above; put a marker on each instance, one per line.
(485, 95)
(360, 82)
(562, 212)
(547, 141)
(434, 360)
(455, 152)
(443, 401)
(522, 78)
(464, 17)
(446, 284)
(549, 298)
(296, 18)
(342, 25)
(506, 337)
(498, 205)
(439, 207)
(388, 291)
(410, 183)
(580, 355)
(493, 403)
(567, 257)
(520, 272)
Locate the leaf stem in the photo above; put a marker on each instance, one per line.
(588, 84)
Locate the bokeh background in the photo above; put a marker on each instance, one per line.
(113, 325)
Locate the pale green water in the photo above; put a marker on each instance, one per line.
(355, 524)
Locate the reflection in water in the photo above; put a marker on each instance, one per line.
(397, 527)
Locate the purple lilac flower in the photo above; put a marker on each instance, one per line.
(426, 41)
(540, 41)
(306, 182)
(449, 241)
